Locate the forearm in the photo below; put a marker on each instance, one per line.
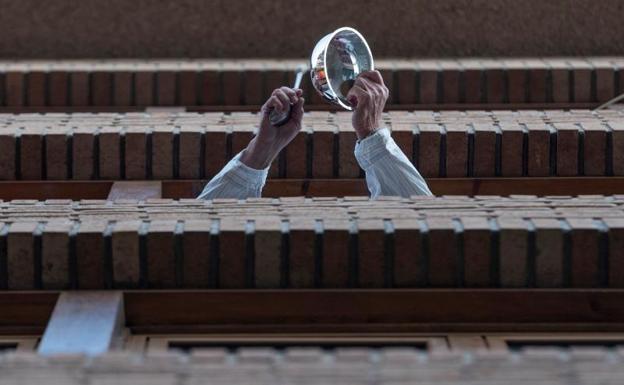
(388, 171)
(236, 180)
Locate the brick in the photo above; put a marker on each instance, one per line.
(406, 85)
(275, 78)
(323, 151)
(442, 258)
(110, 153)
(484, 150)
(429, 150)
(55, 255)
(616, 251)
(549, 252)
(538, 85)
(347, 164)
(403, 135)
(513, 249)
(7, 155)
(210, 91)
(539, 150)
(456, 150)
(232, 87)
(585, 253)
(511, 149)
(165, 88)
(187, 88)
(123, 88)
(267, 261)
(36, 89)
(582, 73)
(83, 153)
(605, 82)
(302, 264)
(495, 85)
(101, 88)
(560, 75)
(297, 156)
(79, 89)
(161, 261)
(241, 137)
(451, 74)
(15, 89)
(126, 259)
(428, 85)
(472, 84)
(567, 149)
(162, 152)
(408, 259)
(594, 149)
(190, 151)
(21, 256)
(196, 264)
(232, 253)
(517, 81)
(215, 150)
(253, 86)
(618, 147)
(56, 153)
(89, 255)
(144, 88)
(58, 89)
(477, 248)
(136, 152)
(31, 143)
(335, 263)
(371, 252)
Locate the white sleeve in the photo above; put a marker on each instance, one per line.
(388, 171)
(235, 180)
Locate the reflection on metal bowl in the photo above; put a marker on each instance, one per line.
(337, 59)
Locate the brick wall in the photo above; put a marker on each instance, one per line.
(241, 28)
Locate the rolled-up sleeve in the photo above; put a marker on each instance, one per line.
(388, 171)
(235, 180)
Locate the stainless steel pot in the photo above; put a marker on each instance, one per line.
(337, 59)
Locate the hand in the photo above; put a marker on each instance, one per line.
(368, 97)
(270, 140)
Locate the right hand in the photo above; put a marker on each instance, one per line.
(270, 140)
(368, 97)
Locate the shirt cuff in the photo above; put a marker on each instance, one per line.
(244, 175)
(372, 148)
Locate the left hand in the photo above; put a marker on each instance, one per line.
(270, 140)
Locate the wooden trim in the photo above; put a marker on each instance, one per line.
(84, 322)
(424, 311)
(25, 312)
(176, 189)
(415, 311)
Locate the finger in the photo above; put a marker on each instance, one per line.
(299, 91)
(374, 76)
(281, 95)
(357, 96)
(275, 102)
(292, 95)
(297, 111)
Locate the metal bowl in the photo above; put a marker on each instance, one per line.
(337, 59)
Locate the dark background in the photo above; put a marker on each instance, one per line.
(289, 28)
